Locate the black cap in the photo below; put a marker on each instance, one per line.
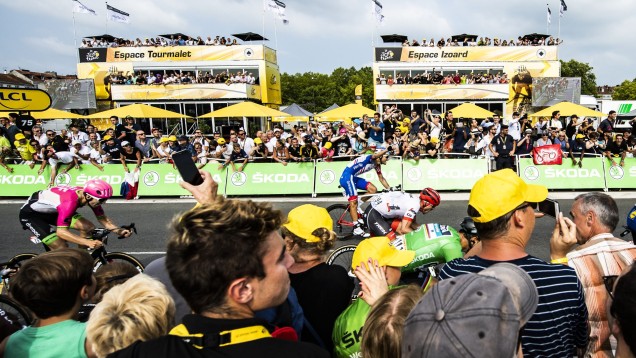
(504, 126)
(183, 137)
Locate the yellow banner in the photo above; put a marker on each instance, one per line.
(478, 53)
(100, 73)
(23, 99)
(198, 91)
(431, 92)
(175, 53)
(270, 80)
(520, 86)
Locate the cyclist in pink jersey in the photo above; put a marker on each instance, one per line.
(57, 207)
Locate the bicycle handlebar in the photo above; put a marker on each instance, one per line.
(102, 234)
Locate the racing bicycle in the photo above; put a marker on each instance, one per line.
(100, 256)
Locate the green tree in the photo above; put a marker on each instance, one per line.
(625, 91)
(575, 68)
(317, 91)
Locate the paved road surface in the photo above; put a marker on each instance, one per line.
(152, 222)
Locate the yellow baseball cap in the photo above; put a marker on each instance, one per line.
(107, 137)
(579, 136)
(19, 136)
(380, 249)
(303, 220)
(172, 138)
(163, 140)
(221, 141)
(434, 140)
(498, 193)
(258, 141)
(328, 145)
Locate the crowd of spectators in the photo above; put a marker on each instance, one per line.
(437, 78)
(159, 41)
(176, 77)
(409, 137)
(485, 41)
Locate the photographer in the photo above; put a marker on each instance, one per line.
(460, 137)
(525, 145)
(471, 146)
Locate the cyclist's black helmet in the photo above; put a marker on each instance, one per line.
(468, 226)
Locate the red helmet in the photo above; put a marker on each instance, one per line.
(98, 188)
(431, 196)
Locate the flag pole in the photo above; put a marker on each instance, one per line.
(264, 21)
(74, 32)
(106, 16)
(559, 30)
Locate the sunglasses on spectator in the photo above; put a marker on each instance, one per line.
(50, 134)
(241, 134)
(609, 282)
(523, 206)
(141, 134)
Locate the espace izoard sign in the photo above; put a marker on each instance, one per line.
(482, 53)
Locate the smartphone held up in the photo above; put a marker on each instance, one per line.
(187, 169)
(549, 207)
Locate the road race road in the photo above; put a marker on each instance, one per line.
(152, 218)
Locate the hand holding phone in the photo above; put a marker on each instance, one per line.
(549, 207)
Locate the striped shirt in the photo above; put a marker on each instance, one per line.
(602, 255)
(559, 324)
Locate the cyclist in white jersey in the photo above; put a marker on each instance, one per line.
(393, 213)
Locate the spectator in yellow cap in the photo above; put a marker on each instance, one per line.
(25, 149)
(501, 205)
(5, 150)
(323, 290)
(377, 265)
(164, 153)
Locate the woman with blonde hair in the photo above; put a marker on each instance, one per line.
(138, 310)
(323, 290)
(384, 326)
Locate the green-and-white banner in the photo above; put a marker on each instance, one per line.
(565, 176)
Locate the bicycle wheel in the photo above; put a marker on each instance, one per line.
(119, 256)
(342, 256)
(12, 268)
(342, 222)
(13, 315)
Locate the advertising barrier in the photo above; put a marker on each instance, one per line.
(324, 177)
(443, 174)
(566, 176)
(618, 177)
(163, 180)
(271, 178)
(328, 175)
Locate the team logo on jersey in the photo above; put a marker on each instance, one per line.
(238, 178)
(151, 178)
(327, 176)
(63, 179)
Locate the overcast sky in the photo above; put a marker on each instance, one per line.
(321, 35)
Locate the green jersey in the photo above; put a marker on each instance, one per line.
(433, 244)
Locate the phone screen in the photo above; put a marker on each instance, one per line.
(187, 169)
(549, 207)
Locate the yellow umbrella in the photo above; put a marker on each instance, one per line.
(568, 109)
(347, 112)
(50, 113)
(245, 109)
(138, 111)
(291, 119)
(470, 110)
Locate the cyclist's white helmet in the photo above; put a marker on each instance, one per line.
(98, 188)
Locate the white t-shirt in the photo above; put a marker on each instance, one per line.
(62, 157)
(84, 150)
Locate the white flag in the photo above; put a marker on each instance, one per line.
(549, 16)
(278, 8)
(82, 9)
(376, 10)
(117, 15)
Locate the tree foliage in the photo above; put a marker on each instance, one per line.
(625, 91)
(575, 68)
(317, 91)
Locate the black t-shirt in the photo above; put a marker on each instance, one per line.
(342, 145)
(119, 129)
(617, 149)
(309, 151)
(59, 144)
(294, 151)
(606, 126)
(389, 127)
(131, 156)
(113, 150)
(324, 292)
(25, 122)
(174, 346)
